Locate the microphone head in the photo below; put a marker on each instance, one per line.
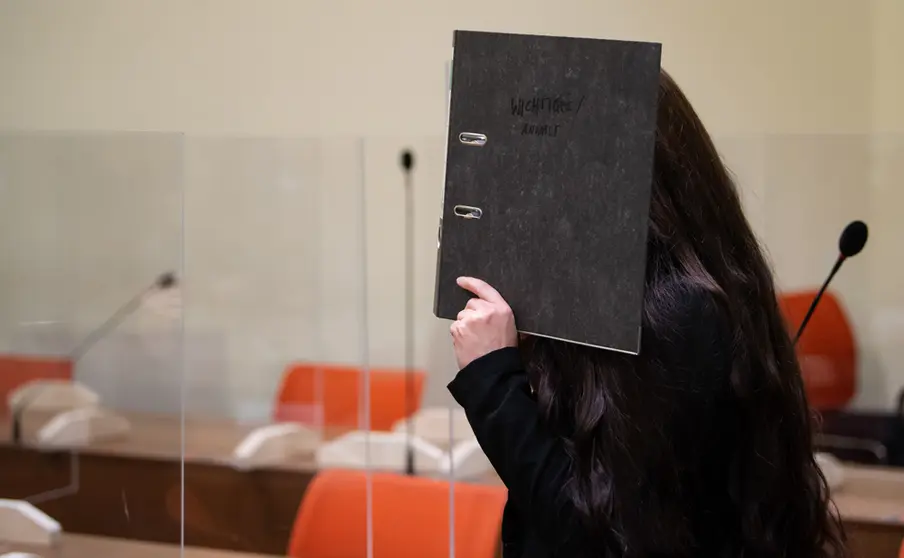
(167, 280)
(407, 160)
(853, 239)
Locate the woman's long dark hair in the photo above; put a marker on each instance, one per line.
(692, 463)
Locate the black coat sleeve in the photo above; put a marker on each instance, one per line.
(530, 460)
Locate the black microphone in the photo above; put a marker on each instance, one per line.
(407, 162)
(852, 240)
(165, 281)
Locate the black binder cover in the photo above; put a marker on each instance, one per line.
(548, 173)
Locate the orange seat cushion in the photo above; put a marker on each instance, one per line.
(826, 350)
(331, 395)
(410, 517)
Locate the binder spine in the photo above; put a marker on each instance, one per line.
(442, 201)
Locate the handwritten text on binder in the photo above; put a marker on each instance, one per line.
(539, 107)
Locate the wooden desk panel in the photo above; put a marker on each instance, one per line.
(139, 498)
(871, 540)
(131, 487)
(82, 546)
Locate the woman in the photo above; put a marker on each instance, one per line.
(701, 446)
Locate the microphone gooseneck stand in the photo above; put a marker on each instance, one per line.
(850, 243)
(407, 161)
(818, 296)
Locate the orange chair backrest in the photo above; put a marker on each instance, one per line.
(410, 517)
(305, 387)
(16, 370)
(827, 351)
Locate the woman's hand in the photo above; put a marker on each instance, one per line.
(485, 325)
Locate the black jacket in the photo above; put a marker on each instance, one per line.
(495, 394)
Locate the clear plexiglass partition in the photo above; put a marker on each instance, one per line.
(228, 342)
(91, 361)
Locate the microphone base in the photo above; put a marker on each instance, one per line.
(409, 462)
(16, 433)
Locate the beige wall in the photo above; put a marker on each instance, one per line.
(886, 333)
(888, 45)
(346, 67)
(272, 235)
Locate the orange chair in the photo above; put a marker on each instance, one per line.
(305, 387)
(827, 351)
(410, 517)
(16, 370)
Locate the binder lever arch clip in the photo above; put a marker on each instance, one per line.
(472, 138)
(468, 212)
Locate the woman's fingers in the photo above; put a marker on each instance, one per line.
(484, 325)
(480, 288)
